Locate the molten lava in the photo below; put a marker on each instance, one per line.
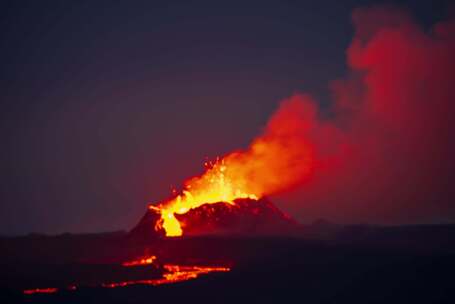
(212, 187)
(275, 161)
(140, 262)
(175, 274)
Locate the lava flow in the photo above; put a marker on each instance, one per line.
(275, 161)
(140, 262)
(175, 274)
(40, 290)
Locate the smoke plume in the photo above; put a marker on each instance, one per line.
(390, 150)
(386, 153)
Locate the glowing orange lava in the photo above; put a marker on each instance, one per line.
(175, 273)
(140, 262)
(214, 186)
(275, 161)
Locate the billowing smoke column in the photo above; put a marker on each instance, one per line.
(387, 155)
(394, 112)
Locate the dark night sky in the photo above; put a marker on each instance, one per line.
(105, 106)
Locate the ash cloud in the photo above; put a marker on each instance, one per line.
(391, 158)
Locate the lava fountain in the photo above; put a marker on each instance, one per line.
(281, 157)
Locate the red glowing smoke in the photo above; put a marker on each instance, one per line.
(385, 156)
(389, 153)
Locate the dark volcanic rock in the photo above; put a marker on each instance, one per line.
(245, 217)
(145, 229)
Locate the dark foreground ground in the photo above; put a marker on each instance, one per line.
(327, 264)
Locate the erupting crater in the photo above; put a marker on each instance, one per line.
(229, 196)
(246, 217)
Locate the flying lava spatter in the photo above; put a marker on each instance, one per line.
(278, 159)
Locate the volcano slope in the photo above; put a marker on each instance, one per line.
(243, 217)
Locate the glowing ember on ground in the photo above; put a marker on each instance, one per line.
(144, 261)
(40, 290)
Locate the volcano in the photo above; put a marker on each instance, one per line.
(244, 217)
